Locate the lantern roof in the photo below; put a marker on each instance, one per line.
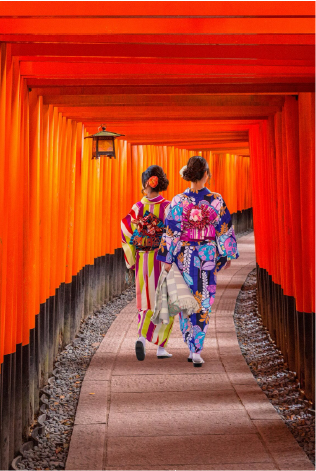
(105, 134)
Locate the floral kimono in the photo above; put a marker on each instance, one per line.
(199, 238)
(142, 230)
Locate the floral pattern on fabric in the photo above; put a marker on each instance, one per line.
(198, 216)
(207, 252)
(199, 254)
(149, 231)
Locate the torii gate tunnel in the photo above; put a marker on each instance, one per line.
(231, 81)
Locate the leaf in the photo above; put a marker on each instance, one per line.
(188, 278)
(210, 265)
(91, 393)
(197, 262)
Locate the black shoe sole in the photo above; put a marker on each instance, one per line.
(140, 351)
(197, 365)
(162, 357)
(190, 360)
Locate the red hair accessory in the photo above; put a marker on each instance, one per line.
(153, 182)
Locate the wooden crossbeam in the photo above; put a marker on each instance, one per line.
(164, 72)
(194, 51)
(166, 25)
(139, 8)
(164, 100)
(161, 39)
(74, 70)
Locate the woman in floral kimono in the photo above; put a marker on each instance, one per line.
(200, 239)
(142, 229)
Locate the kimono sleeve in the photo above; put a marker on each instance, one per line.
(127, 229)
(225, 237)
(172, 231)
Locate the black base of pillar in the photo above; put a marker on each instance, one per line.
(26, 371)
(293, 331)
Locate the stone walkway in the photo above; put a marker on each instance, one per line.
(167, 415)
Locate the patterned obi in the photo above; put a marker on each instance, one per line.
(208, 233)
(197, 223)
(148, 234)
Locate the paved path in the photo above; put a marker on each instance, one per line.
(167, 415)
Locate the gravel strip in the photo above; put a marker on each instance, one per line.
(267, 365)
(242, 234)
(62, 392)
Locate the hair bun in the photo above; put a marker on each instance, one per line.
(195, 169)
(156, 178)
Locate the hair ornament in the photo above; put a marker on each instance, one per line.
(183, 170)
(153, 181)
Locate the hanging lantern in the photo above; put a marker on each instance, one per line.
(103, 143)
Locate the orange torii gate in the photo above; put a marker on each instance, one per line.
(233, 82)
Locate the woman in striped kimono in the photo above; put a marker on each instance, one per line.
(142, 229)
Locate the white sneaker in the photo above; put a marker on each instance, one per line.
(197, 360)
(162, 353)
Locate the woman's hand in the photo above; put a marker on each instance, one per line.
(227, 264)
(167, 267)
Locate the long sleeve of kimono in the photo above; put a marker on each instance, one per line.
(127, 229)
(172, 232)
(225, 237)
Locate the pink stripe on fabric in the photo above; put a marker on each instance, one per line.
(139, 323)
(157, 199)
(145, 265)
(163, 343)
(189, 238)
(142, 314)
(140, 207)
(157, 270)
(150, 331)
(138, 293)
(162, 212)
(146, 280)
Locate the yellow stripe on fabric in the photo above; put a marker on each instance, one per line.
(147, 322)
(156, 210)
(162, 333)
(130, 253)
(151, 273)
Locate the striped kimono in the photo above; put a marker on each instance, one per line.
(147, 269)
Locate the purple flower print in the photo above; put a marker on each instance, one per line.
(230, 246)
(211, 288)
